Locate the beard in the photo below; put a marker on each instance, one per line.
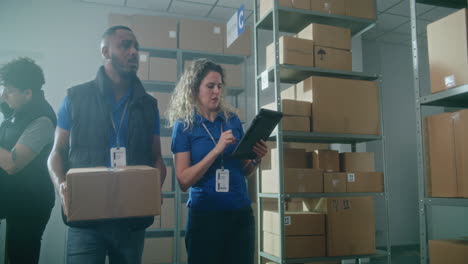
(123, 71)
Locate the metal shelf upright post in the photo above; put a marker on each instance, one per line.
(455, 97)
(292, 21)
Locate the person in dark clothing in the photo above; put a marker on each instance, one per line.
(113, 112)
(26, 136)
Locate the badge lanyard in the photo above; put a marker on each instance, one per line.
(214, 141)
(117, 131)
(118, 156)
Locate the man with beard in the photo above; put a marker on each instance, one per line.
(26, 137)
(110, 113)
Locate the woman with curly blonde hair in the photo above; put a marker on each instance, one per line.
(220, 224)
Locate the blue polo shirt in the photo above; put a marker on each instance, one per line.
(203, 195)
(65, 121)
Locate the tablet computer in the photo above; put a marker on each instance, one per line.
(260, 128)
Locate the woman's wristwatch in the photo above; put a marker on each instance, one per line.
(256, 161)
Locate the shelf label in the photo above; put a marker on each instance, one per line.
(143, 58)
(265, 81)
(351, 177)
(235, 26)
(172, 34)
(450, 81)
(287, 220)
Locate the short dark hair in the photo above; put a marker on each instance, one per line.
(110, 31)
(22, 73)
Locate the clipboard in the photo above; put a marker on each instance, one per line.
(260, 128)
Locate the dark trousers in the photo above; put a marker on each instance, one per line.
(24, 235)
(220, 237)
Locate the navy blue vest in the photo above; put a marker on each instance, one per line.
(29, 191)
(91, 127)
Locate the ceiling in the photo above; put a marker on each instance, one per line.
(393, 24)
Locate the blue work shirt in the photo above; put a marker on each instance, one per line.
(197, 141)
(65, 121)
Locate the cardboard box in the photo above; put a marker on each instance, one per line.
(102, 193)
(357, 161)
(360, 8)
(327, 36)
(143, 67)
(308, 147)
(327, 160)
(115, 19)
(162, 69)
(295, 223)
(167, 185)
(266, 5)
(155, 31)
(440, 156)
(233, 75)
(342, 105)
(292, 107)
(453, 251)
(295, 246)
(461, 150)
(295, 181)
(350, 224)
(448, 51)
(241, 46)
(292, 158)
(364, 182)
(335, 7)
(290, 93)
(294, 51)
(164, 99)
(296, 123)
(168, 213)
(166, 146)
(334, 182)
(330, 58)
(158, 250)
(201, 35)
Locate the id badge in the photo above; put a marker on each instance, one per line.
(118, 157)
(222, 180)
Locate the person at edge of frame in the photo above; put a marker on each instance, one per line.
(111, 113)
(206, 130)
(26, 136)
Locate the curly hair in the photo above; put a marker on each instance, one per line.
(184, 101)
(22, 73)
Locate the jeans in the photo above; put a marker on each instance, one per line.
(122, 244)
(215, 237)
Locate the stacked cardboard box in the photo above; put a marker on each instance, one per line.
(359, 172)
(296, 114)
(448, 51)
(355, 8)
(143, 69)
(332, 46)
(339, 105)
(162, 69)
(453, 251)
(447, 151)
(171, 33)
(305, 234)
(350, 224)
(292, 50)
(158, 250)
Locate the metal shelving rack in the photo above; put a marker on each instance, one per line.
(455, 97)
(283, 19)
(180, 197)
